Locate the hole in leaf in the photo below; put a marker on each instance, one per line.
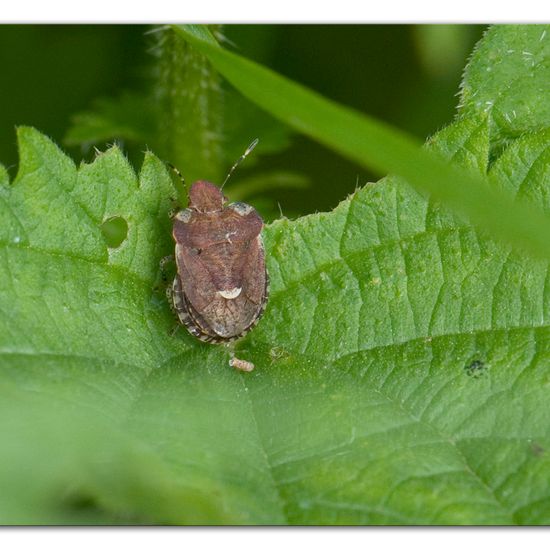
(114, 231)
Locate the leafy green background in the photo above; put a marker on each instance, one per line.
(402, 367)
(91, 79)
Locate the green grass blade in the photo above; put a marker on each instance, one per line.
(378, 146)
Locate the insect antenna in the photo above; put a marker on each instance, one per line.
(178, 173)
(176, 200)
(239, 160)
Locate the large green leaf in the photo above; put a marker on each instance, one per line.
(402, 367)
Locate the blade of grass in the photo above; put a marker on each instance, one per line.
(378, 146)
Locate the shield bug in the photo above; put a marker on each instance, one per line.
(220, 289)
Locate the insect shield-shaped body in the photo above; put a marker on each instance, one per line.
(220, 289)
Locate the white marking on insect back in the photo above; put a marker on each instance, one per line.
(230, 294)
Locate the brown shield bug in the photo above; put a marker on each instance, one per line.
(221, 286)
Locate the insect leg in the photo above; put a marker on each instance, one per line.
(170, 298)
(176, 207)
(175, 329)
(163, 263)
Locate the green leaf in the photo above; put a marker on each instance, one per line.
(507, 78)
(366, 405)
(92, 382)
(401, 367)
